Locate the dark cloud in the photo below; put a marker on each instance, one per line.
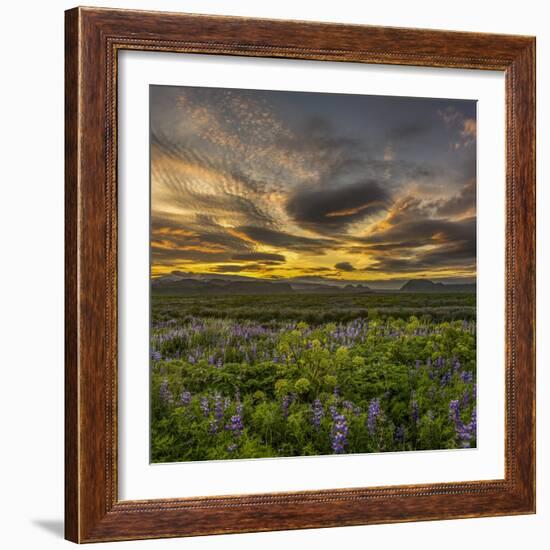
(264, 257)
(344, 266)
(338, 206)
(234, 268)
(177, 256)
(396, 246)
(174, 255)
(409, 130)
(320, 140)
(459, 256)
(286, 240)
(464, 201)
(425, 231)
(433, 245)
(203, 241)
(320, 269)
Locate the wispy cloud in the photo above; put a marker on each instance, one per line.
(287, 184)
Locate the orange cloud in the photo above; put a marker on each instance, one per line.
(469, 128)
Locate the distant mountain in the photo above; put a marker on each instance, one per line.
(180, 275)
(425, 285)
(319, 288)
(185, 283)
(180, 283)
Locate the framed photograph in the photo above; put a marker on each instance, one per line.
(300, 275)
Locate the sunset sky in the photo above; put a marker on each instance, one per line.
(287, 184)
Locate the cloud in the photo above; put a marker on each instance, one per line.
(468, 132)
(328, 208)
(188, 184)
(410, 239)
(202, 240)
(459, 256)
(463, 202)
(307, 174)
(235, 268)
(259, 256)
(409, 130)
(469, 127)
(395, 246)
(450, 115)
(464, 129)
(344, 266)
(281, 239)
(423, 232)
(314, 270)
(434, 245)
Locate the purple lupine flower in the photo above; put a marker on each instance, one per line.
(156, 355)
(467, 377)
(374, 413)
(165, 394)
(473, 423)
(235, 424)
(231, 448)
(185, 397)
(468, 431)
(219, 363)
(339, 431)
(205, 407)
(464, 432)
(417, 363)
(454, 411)
(285, 404)
(456, 365)
(318, 413)
(348, 405)
(218, 414)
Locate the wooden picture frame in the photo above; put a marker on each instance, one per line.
(93, 511)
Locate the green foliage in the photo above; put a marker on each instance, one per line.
(317, 309)
(238, 377)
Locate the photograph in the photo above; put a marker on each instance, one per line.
(313, 273)
(275, 275)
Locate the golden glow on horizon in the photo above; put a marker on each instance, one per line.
(237, 188)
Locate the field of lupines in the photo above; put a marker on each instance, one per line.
(227, 385)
